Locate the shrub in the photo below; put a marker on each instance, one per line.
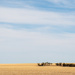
(44, 64)
(57, 64)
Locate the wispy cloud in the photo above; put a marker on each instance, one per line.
(29, 16)
(17, 4)
(60, 1)
(64, 3)
(21, 4)
(30, 39)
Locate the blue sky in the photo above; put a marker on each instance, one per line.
(33, 31)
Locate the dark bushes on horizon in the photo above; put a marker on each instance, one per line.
(44, 64)
(57, 64)
(65, 64)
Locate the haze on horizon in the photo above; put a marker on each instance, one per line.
(33, 31)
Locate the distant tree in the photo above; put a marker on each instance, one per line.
(60, 64)
(57, 64)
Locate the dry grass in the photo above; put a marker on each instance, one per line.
(33, 69)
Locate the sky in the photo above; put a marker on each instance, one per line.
(34, 31)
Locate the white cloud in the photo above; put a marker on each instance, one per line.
(26, 45)
(59, 1)
(20, 4)
(64, 3)
(28, 16)
(28, 40)
(6, 26)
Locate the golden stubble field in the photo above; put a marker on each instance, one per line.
(33, 69)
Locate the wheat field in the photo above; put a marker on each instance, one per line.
(33, 69)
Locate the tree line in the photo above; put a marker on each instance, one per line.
(44, 64)
(65, 64)
(57, 64)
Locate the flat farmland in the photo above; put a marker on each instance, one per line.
(33, 69)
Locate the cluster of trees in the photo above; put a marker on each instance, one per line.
(57, 64)
(44, 64)
(65, 64)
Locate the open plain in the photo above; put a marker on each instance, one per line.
(33, 69)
